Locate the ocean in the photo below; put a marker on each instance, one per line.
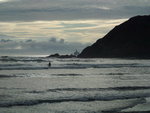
(29, 85)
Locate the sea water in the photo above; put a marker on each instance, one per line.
(29, 85)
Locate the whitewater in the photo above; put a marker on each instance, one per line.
(74, 85)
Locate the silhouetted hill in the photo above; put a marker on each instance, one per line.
(129, 39)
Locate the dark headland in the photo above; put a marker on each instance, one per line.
(130, 39)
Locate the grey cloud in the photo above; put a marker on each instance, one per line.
(28, 41)
(31, 10)
(5, 36)
(62, 40)
(76, 25)
(53, 40)
(5, 40)
(8, 47)
(66, 25)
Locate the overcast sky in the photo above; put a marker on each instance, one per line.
(49, 26)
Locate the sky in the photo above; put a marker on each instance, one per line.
(43, 27)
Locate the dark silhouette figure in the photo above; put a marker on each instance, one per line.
(49, 64)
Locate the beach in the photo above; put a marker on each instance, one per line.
(28, 85)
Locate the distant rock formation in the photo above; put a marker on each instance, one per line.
(130, 39)
(76, 53)
(67, 56)
(56, 55)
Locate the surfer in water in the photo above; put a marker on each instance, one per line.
(49, 64)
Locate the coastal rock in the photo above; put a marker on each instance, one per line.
(67, 56)
(56, 55)
(130, 39)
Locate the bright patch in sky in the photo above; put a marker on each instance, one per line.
(72, 31)
(4, 1)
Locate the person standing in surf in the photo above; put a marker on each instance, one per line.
(49, 64)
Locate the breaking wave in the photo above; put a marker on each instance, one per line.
(66, 66)
(65, 99)
(127, 88)
(22, 59)
(39, 63)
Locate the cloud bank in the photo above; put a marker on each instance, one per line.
(32, 10)
(32, 47)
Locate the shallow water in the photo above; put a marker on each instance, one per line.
(28, 85)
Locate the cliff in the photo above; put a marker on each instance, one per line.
(130, 39)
